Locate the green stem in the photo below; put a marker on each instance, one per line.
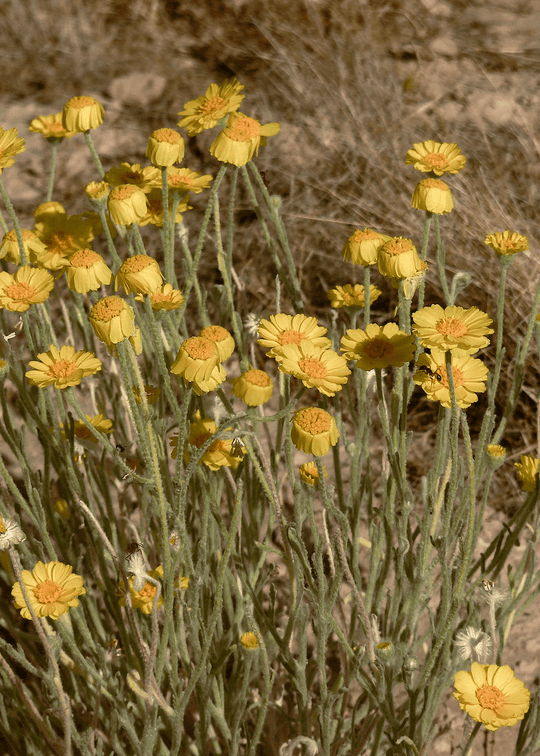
(93, 152)
(54, 150)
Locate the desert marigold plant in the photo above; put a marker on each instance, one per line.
(362, 247)
(284, 329)
(378, 346)
(352, 295)
(62, 367)
(27, 286)
(316, 367)
(507, 242)
(452, 328)
(52, 589)
(492, 695)
(254, 387)
(87, 271)
(469, 376)
(432, 195)
(314, 431)
(398, 258)
(204, 112)
(82, 113)
(112, 319)
(436, 157)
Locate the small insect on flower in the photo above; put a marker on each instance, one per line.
(237, 447)
(120, 448)
(133, 548)
(433, 374)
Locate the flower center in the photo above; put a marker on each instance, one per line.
(199, 348)
(313, 420)
(59, 241)
(366, 235)
(123, 192)
(56, 127)
(247, 126)
(19, 291)
(290, 337)
(398, 246)
(148, 591)
(215, 333)
(432, 183)
(451, 327)
(160, 297)
(84, 258)
(213, 103)
(436, 159)
(47, 592)
(80, 102)
(377, 348)
(257, 378)
(313, 367)
(62, 368)
(490, 697)
(199, 440)
(167, 135)
(181, 181)
(216, 446)
(107, 309)
(133, 178)
(136, 263)
(509, 244)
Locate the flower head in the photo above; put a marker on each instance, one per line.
(196, 359)
(507, 243)
(51, 126)
(492, 695)
(249, 641)
(472, 641)
(309, 474)
(470, 376)
(207, 110)
(87, 271)
(241, 138)
(284, 329)
(436, 157)
(378, 346)
(83, 433)
(126, 173)
(165, 147)
(219, 453)
(352, 295)
(496, 455)
(316, 367)
(361, 248)
(52, 589)
(433, 195)
(142, 599)
(314, 431)
(25, 287)
(82, 113)
(127, 204)
(139, 273)
(62, 236)
(113, 320)
(10, 533)
(33, 247)
(254, 387)
(528, 471)
(221, 338)
(398, 258)
(97, 192)
(182, 180)
(62, 367)
(47, 209)
(164, 298)
(10, 146)
(452, 328)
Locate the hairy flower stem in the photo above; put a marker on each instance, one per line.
(93, 152)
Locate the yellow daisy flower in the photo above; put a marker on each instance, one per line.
(113, 320)
(96, 191)
(25, 287)
(205, 385)
(207, 110)
(378, 346)
(126, 204)
(249, 641)
(87, 271)
(219, 453)
(165, 147)
(221, 338)
(196, 359)
(528, 469)
(47, 209)
(126, 173)
(452, 328)
(164, 298)
(52, 589)
(309, 474)
(183, 180)
(140, 274)
(351, 295)
(436, 157)
(433, 195)
(241, 138)
(316, 367)
(362, 247)
(82, 113)
(10, 146)
(398, 258)
(492, 695)
(254, 387)
(62, 508)
(284, 329)
(100, 423)
(62, 367)
(33, 247)
(496, 450)
(154, 210)
(62, 235)
(314, 431)
(470, 376)
(51, 127)
(507, 242)
(144, 598)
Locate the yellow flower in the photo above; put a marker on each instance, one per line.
(164, 298)
(351, 295)
(249, 641)
(33, 247)
(183, 582)
(154, 210)
(145, 178)
(140, 274)
(183, 180)
(113, 320)
(507, 242)
(492, 695)
(316, 367)
(240, 139)
(433, 195)
(165, 147)
(496, 450)
(284, 329)
(52, 589)
(470, 376)
(205, 385)
(62, 367)
(152, 393)
(362, 247)
(62, 507)
(254, 387)
(452, 328)
(87, 271)
(196, 359)
(47, 209)
(51, 127)
(144, 598)
(221, 338)
(398, 258)
(207, 110)
(219, 453)
(97, 190)
(127, 204)
(314, 431)
(378, 346)
(310, 474)
(436, 157)
(62, 235)
(528, 469)
(25, 287)
(10, 146)
(100, 423)
(411, 283)
(82, 113)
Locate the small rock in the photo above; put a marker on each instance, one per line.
(139, 88)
